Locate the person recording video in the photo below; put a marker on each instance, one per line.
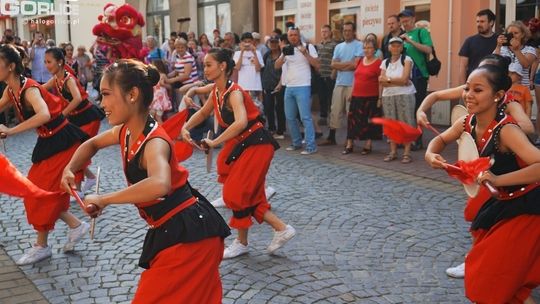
(298, 59)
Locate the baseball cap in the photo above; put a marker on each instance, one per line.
(395, 39)
(256, 35)
(273, 38)
(246, 35)
(406, 13)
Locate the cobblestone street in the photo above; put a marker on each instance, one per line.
(365, 235)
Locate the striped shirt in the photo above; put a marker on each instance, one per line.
(326, 51)
(181, 61)
(506, 52)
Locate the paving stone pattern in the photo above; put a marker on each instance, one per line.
(365, 235)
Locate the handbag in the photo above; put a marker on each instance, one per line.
(433, 65)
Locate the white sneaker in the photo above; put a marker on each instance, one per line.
(457, 272)
(89, 184)
(269, 191)
(34, 254)
(75, 234)
(293, 148)
(281, 238)
(308, 152)
(235, 249)
(218, 203)
(279, 136)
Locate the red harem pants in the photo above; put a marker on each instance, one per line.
(42, 213)
(244, 181)
(503, 265)
(474, 204)
(185, 273)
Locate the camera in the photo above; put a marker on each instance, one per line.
(509, 37)
(288, 50)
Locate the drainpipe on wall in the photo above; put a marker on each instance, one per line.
(69, 24)
(449, 64)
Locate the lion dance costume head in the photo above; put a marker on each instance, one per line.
(120, 28)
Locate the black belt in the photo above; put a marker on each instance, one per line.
(54, 123)
(81, 105)
(168, 203)
(258, 137)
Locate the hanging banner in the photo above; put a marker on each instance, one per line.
(306, 18)
(371, 18)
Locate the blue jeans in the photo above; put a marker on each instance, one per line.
(298, 99)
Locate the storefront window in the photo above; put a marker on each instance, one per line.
(524, 11)
(158, 22)
(224, 17)
(285, 4)
(45, 25)
(157, 5)
(339, 16)
(279, 21)
(214, 15)
(527, 9)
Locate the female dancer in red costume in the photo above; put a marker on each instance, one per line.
(57, 141)
(510, 107)
(184, 245)
(245, 158)
(77, 108)
(503, 265)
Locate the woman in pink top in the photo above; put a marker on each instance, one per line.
(365, 101)
(205, 43)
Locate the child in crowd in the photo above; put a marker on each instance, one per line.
(519, 92)
(162, 102)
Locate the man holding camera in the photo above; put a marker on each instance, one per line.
(298, 59)
(37, 55)
(477, 46)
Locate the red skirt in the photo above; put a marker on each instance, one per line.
(185, 273)
(91, 128)
(42, 213)
(503, 265)
(244, 181)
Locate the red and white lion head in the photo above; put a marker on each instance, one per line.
(120, 28)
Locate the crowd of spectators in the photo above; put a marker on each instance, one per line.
(354, 80)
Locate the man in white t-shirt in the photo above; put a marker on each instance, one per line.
(298, 58)
(248, 61)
